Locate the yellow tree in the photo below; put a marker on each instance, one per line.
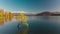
(10, 16)
(6, 16)
(1, 16)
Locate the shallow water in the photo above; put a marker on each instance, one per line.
(37, 25)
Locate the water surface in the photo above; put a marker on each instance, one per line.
(37, 25)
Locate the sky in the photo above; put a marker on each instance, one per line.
(30, 5)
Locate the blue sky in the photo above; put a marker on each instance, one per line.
(30, 5)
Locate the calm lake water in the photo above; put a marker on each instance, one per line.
(37, 25)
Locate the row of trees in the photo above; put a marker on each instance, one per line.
(5, 16)
(8, 16)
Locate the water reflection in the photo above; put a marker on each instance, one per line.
(44, 24)
(45, 18)
(3, 20)
(37, 25)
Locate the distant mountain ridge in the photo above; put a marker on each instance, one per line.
(45, 13)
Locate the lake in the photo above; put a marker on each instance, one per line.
(37, 25)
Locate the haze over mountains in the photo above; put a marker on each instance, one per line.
(35, 13)
(50, 13)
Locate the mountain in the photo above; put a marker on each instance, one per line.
(48, 14)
